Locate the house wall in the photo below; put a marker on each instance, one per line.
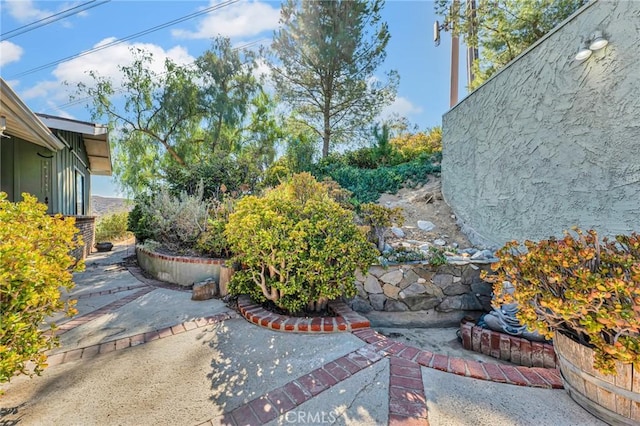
(68, 162)
(549, 142)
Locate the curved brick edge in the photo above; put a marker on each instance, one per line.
(181, 259)
(135, 340)
(507, 348)
(536, 377)
(345, 320)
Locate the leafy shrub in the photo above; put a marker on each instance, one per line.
(380, 218)
(139, 220)
(579, 286)
(277, 173)
(176, 222)
(112, 227)
(412, 145)
(35, 264)
(213, 242)
(368, 184)
(297, 246)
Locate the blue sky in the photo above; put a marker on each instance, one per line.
(423, 95)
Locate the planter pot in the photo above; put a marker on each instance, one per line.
(613, 398)
(104, 246)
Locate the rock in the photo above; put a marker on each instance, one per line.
(440, 242)
(482, 288)
(360, 276)
(457, 279)
(471, 303)
(205, 290)
(377, 271)
(425, 273)
(425, 247)
(359, 304)
(450, 304)
(397, 232)
(377, 301)
(387, 248)
(454, 245)
(421, 281)
(371, 285)
(390, 291)
(422, 303)
(477, 255)
(409, 278)
(361, 291)
(392, 277)
(413, 290)
(395, 306)
(443, 280)
(425, 225)
(456, 289)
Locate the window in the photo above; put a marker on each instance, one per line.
(79, 193)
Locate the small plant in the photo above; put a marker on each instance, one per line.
(380, 218)
(35, 265)
(297, 245)
(579, 286)
(213, 242)
(437, 257)
(112, 227)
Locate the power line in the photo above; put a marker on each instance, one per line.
(127, 38)
(48, 20)
(86, 98)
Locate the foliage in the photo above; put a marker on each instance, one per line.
(176, 222)
(503, 29)
(112, 227)
(35, 265)
(579, 286)
(297, 245)
(213, 242)
(368, 184)
(412, 145)
(437, 256)
(139, 220)
(216, 176)
(181, 116)
(380, 218)
(328, 53)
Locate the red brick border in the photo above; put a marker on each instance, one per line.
(105, 292)
(502, 346)
(135, 340)
(536, 377)
(181, 259)
(345, 319)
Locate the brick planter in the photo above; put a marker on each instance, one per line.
(507, 348)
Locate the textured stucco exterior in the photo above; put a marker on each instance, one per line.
(549, 142)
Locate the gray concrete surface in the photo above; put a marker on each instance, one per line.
(198, 375)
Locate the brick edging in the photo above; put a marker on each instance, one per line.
(516, 350)
(135, 340)
(181, 259)
(345, 320)
(536, 377)
(106, 292)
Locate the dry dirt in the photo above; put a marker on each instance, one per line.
(425, 203)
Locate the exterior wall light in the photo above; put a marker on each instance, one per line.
(595, 42)
(598, 41)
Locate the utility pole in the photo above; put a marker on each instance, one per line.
(455, 56)
(472, 52)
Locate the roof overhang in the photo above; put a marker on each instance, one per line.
(23, 123)
(95, 137)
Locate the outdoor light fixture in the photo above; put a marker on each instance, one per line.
(3, 126)
(583, 52)
(596, 41)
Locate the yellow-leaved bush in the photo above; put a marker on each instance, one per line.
(577, 285)
(296, 245)
(35, 265)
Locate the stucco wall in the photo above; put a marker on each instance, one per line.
(549, 142)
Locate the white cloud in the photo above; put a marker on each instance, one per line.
(9, 52)
(243, 19)
(402, 107)
(25, 11)
(76, 70)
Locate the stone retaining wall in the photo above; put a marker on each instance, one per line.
(422, 287)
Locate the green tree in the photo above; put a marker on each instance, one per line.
(502, 29)
(328, 52)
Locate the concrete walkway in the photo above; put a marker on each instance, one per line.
(137, 354)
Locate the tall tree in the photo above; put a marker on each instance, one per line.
(502, 29)
(176, 117)
(327, 53)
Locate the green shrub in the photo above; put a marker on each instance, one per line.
(413, 145)
(380, 218)
(297, 246)
(139, 220)
(579, 286)
(212, 241)
(35, 264)
(112, 227)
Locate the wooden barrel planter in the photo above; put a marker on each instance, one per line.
(614, 399)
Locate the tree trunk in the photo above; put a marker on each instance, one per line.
(326, 138)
